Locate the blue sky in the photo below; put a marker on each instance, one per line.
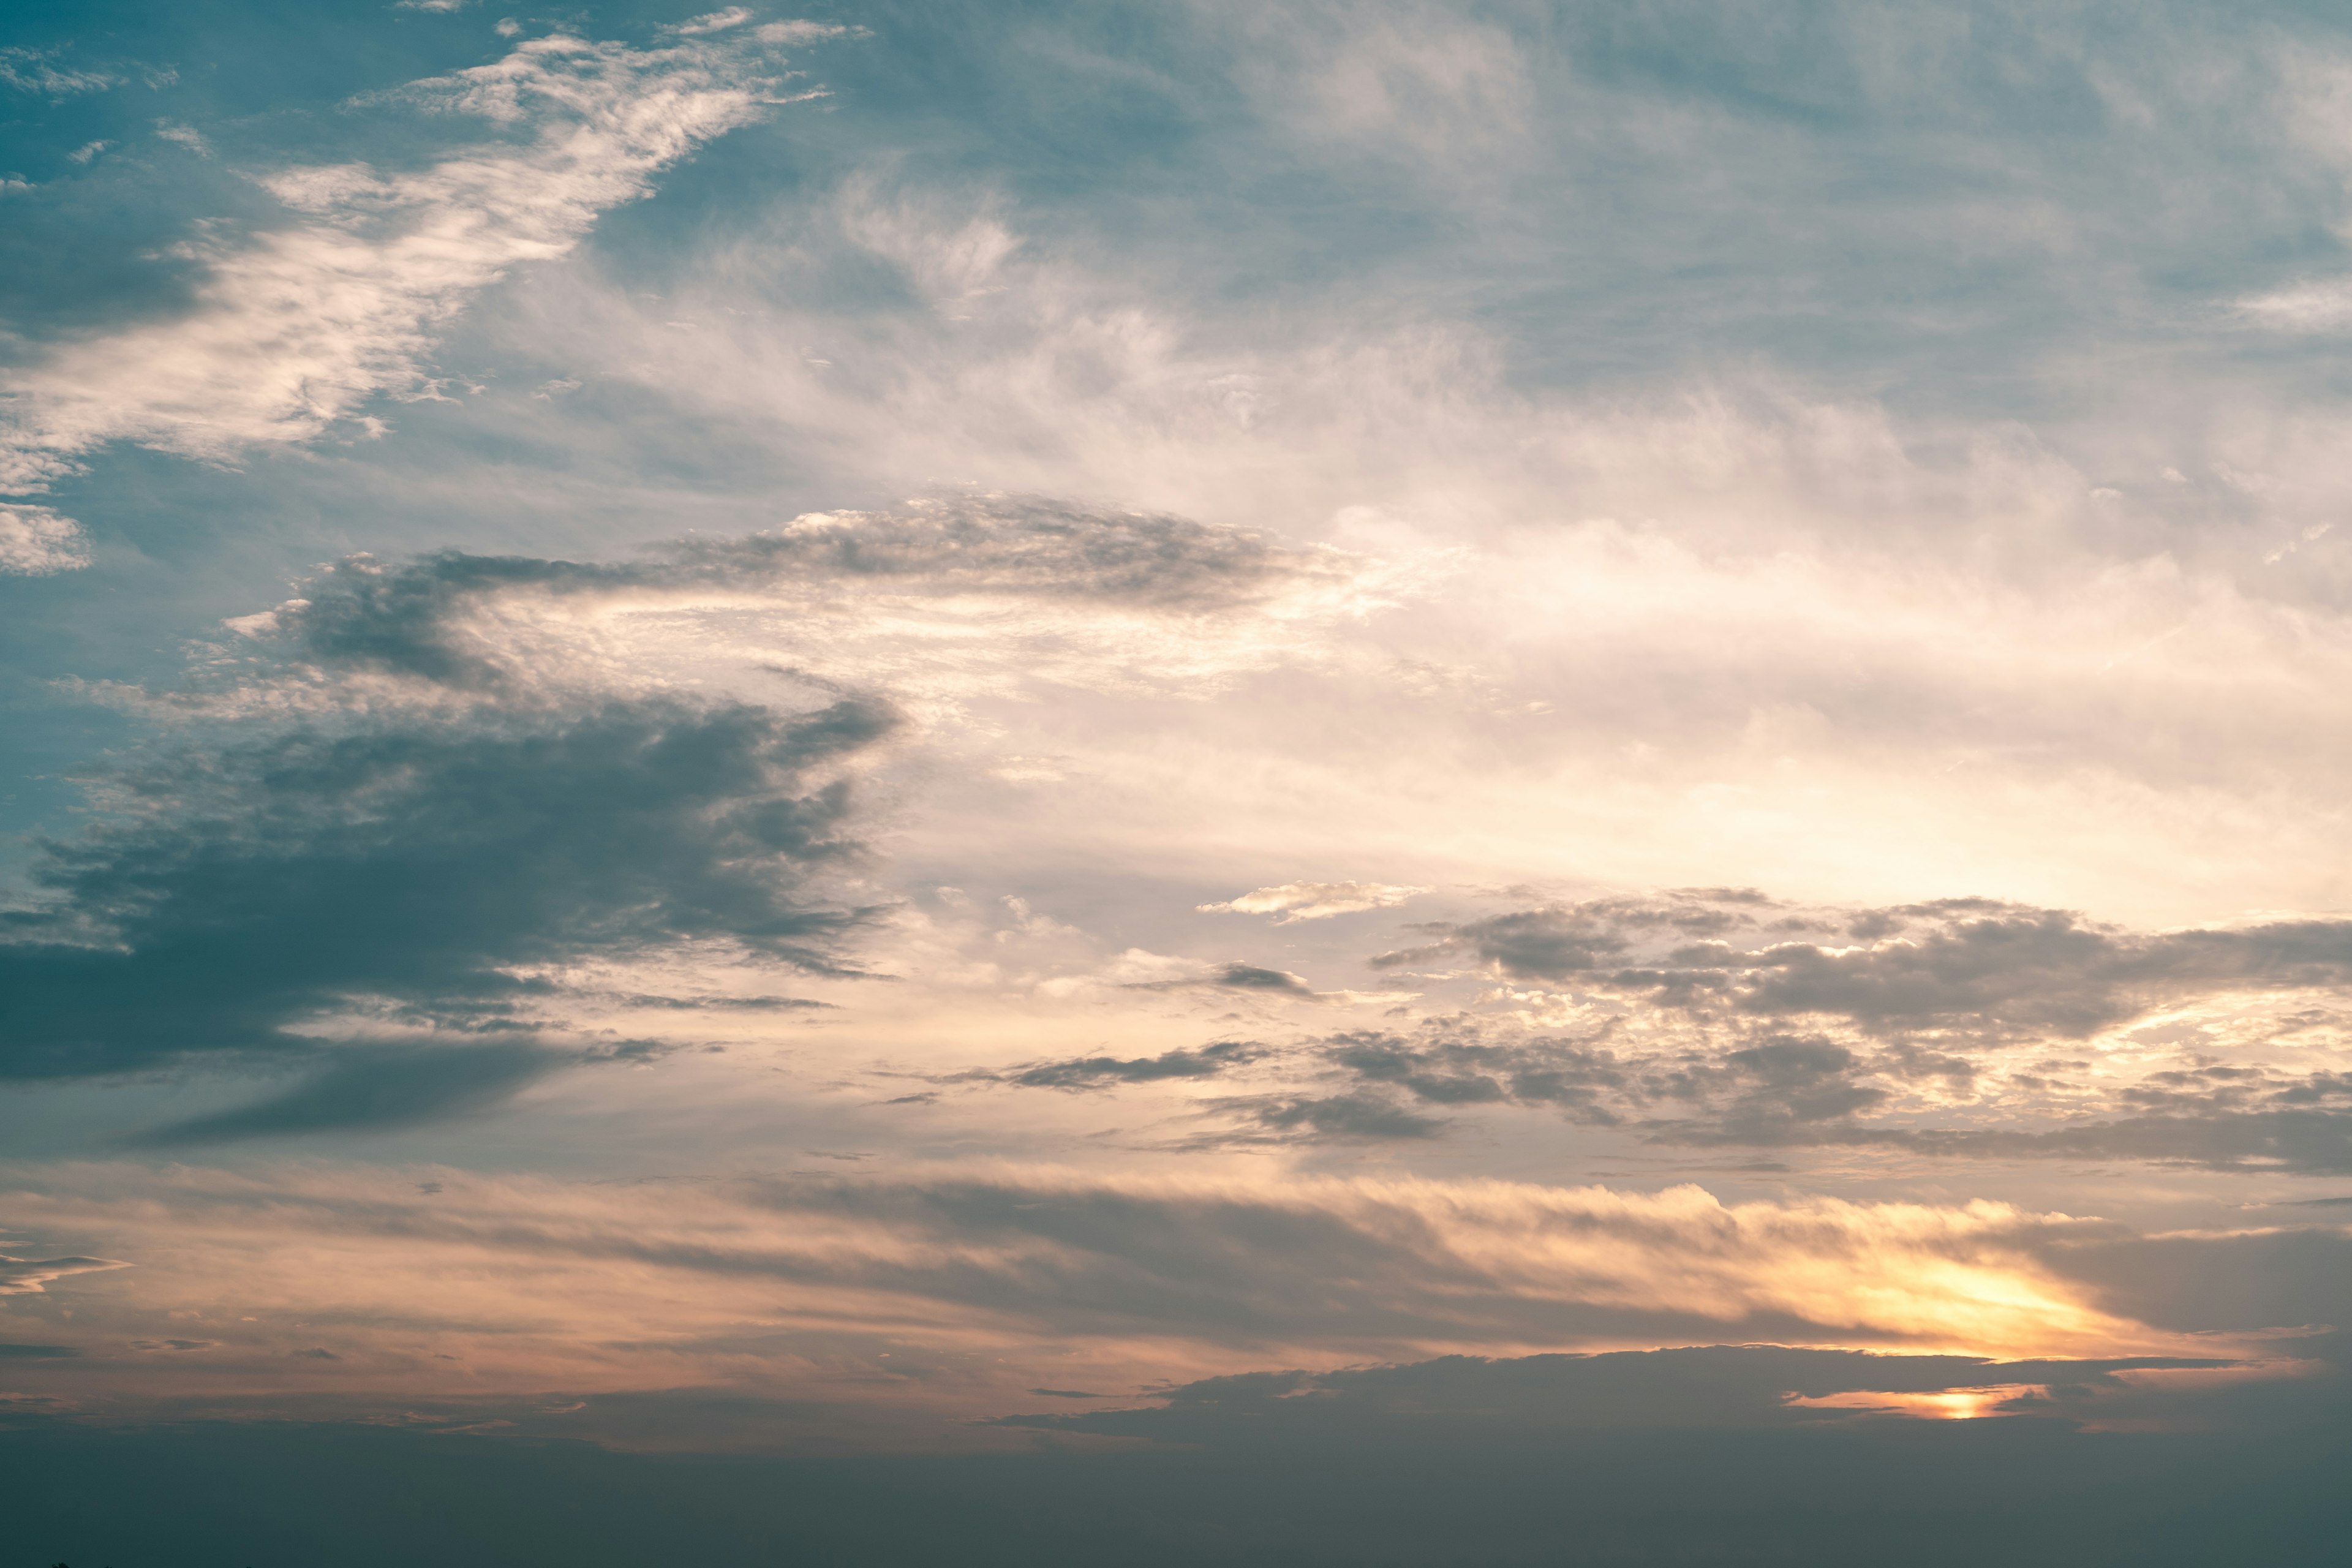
(758, 730)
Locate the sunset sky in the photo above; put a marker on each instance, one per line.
(1042, 748)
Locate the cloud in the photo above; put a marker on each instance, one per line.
(27, 1275)
(1104, 1072)
(540, 1283)
(1791, 1091)
(36, 542)
(1577, 1079)
(1242, 976)
(426, 786)
(1337, 1118)
(31, 70)
(1504, 1401)
(1972, 968)
(1313, 901)
(2312, 1142)
(2316, 307)
(948, 601)
(294, 328)
(416, 618)
(600, 1480)
(804, 32)
(401, 875)
(712, 22)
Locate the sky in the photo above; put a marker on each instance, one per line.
(1185, 781)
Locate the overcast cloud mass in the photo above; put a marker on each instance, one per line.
(1046, 782)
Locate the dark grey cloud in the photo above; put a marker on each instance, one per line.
(1234, 975)
(1699, 1386)
(2261, 1279)
(401, 874)
(1773, 1091)
(1343, 1118)
(1106, 1072)
(1792, 1090)
(13, 1351)
(1450, 1069)
(1250, 978)
(712, 1004)
(1972, 968)
(712, 1475)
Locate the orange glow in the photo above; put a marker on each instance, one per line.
(1948, 1404)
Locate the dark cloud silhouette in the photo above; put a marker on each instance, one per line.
(1387, 1492)
(400, 875)
(1104, 1072)
(11, 1351)
(1249, 977)
(1234, 975)
(1703, 1386)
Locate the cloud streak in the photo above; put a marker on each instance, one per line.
(1313, 901)
(296, 328)
(1131, 1274)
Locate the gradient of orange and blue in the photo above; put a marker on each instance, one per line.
(1390, 782)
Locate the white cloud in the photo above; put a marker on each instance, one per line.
(294, 328)
(1313, 901)
(2316, 307)
(798, 32)
(713, 22)
(36, 542)
(29, 70)
(186, 136)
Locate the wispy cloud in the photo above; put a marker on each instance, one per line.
(294, 328)
(535, 1282)
(1313, 901)
(37, 70)
(27, 1275)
